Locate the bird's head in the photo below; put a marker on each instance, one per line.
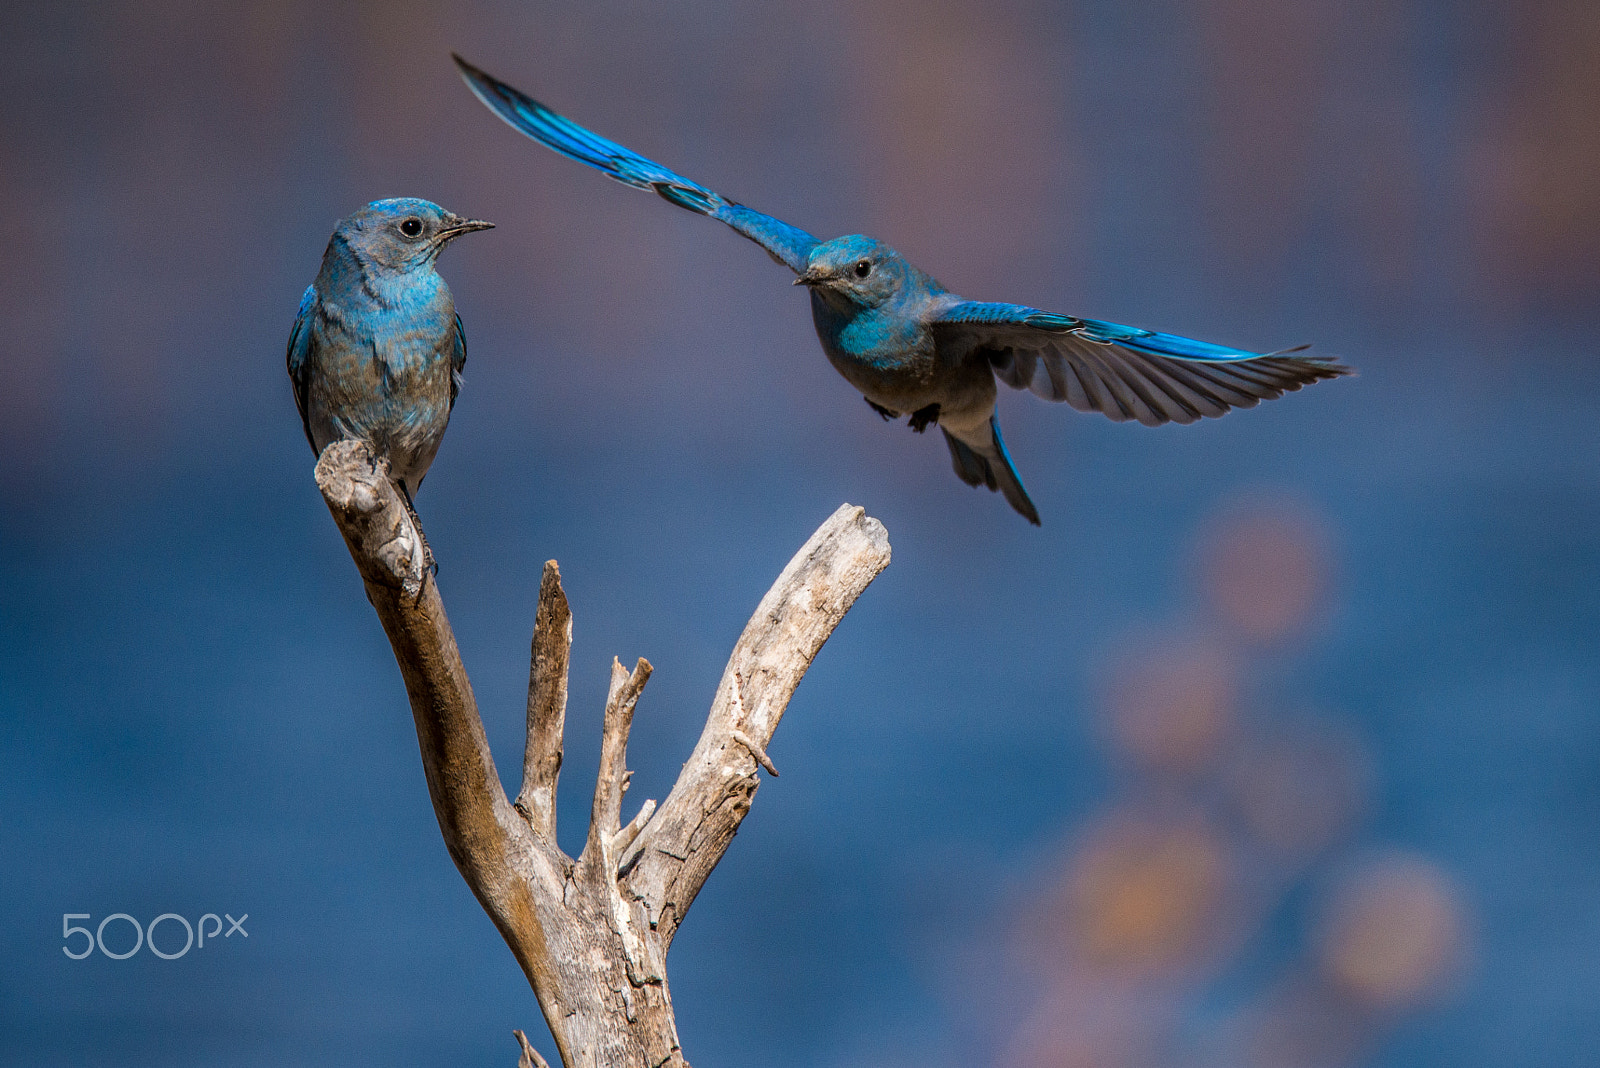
(864, 272)
(404, 233)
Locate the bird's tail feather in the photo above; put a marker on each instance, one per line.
(989, 464)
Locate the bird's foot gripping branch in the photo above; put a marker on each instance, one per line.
(591, 932)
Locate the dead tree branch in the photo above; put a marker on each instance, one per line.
(547, 703)
(591, 934)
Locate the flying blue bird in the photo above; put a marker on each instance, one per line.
(912, 348)
(377, 349)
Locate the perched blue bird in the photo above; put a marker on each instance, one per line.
(377, 349)
(913, 348)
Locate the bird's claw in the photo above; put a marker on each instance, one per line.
(887, 414)
(430, 566)
(922, 418)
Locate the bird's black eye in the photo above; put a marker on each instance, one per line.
(411, 227)
(863, 268)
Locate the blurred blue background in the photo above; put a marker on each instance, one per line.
(1279, 744)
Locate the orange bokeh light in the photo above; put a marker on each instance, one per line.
(1264, 568)
(1148, 893)
(1171, 707)
(1394, 933)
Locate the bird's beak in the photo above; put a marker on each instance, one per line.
(459, 226)
(811, 276)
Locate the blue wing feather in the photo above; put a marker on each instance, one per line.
(1153, 341)
(458, 361)
(298, 358)
(788, 245)
(1123, 371)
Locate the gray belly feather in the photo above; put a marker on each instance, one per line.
(401, 410)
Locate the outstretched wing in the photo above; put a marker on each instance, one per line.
(1122, 371)
(787, 244)
(299, 355)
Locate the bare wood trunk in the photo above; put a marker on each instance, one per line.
(590, 933)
